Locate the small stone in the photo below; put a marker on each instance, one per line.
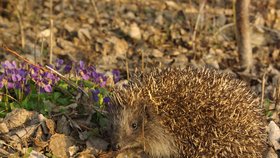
(172, 4)
(175, 53)
(59, 145)
(134, 31)
(73, 150)
(35, 154)
(274, 135)
(156, 53)
(18, 117)
(3, 128)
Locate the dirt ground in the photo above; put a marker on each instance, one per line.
(138, 35)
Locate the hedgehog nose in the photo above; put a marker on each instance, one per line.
(116, 146)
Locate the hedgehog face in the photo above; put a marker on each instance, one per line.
(135, 125)
(127, 126)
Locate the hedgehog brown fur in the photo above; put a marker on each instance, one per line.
(188, 113)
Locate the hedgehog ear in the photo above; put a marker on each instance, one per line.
(148, 112)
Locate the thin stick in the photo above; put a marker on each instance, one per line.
(42, 48)
(126, 65)
(277, 95)
(22, 58)
(95, 10)
(47, 69)
(142, 61)
(263, 86)
(9, 96)
(51, 32)
(21, 29)
(223, 28)
(198, 19)
(34, 51)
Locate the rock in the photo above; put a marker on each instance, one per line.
(73, 150)
(135, 32)
(274, 135)
(120, 46)
(172, 4)
(159, 19)
(18, 117)
(35, 154)
(59, 145)
(3, 128)
(156, 53)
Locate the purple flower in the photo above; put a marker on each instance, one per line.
(59, 64)
(22, 72)
(116, 75)
(16, 77)
(13, 76)
(106, 100)
(67, 68)
(95, 96)
(27, 89)
(11, 85)
(48, 88)
(98, 78)
(1, 81)
(59, 61)
(81, 64)
(9, 65)
(45, 80)
(84, 75)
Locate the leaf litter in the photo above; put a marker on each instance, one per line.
(130, 35)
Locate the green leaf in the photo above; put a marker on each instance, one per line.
(63, 101)
(56, 95)
(88, 84)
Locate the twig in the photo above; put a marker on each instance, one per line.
(51, 31)
(277, 95)
(3, 94)
(126, 65)
(95, 10)
(42, 48)
(34, 51)
(223, 28)
(21, 29)
(47, 69)
(263, 86)
(22, 58)
(198, 20)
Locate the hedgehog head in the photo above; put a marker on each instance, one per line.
(135, 125)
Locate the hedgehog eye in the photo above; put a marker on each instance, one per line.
(134, 126)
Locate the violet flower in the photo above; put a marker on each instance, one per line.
(95, 93)
(13, 77)
(116, 75)
(106, 100)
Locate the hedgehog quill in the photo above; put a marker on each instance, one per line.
(188, 113)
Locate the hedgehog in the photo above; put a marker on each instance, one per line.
(187, 112)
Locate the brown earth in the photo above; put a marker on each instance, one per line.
(139, 35)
